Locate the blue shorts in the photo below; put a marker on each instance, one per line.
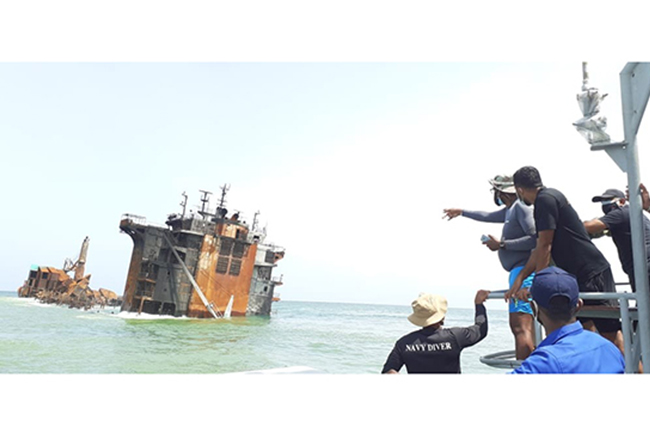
(517, 305)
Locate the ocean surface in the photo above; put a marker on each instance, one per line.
(334, 338)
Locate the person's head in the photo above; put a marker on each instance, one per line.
(428, 310)
(555, 292)
(503, 189)
(527, 182)
(610, 200)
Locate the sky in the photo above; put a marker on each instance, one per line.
(349, 164)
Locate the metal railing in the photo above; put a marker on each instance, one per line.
(142, 221)
(632, 351)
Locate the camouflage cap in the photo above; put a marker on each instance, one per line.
(503, 183)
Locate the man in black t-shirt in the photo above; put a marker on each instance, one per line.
(617, 221)
(434, 349)
(561, 236)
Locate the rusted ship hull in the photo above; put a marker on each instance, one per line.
(54, 286)
(198, 264)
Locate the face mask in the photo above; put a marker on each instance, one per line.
(609, 206)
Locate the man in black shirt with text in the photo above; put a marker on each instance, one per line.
(434, 349)
(561, 236)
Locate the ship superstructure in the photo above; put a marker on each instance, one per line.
(207, 264)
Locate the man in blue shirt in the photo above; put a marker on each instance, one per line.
(568, 348)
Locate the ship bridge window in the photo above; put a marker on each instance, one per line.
(270, 256)
(235, 267)
(264, 273)
(226, 246)
(238, 250)
(222, 265)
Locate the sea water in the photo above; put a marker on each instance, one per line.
(336, 338)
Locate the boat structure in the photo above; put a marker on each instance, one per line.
(52, 285)
(633, 308)
(208, 264)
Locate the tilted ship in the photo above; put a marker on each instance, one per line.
(203, 265)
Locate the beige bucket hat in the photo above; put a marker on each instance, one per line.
(428, 309)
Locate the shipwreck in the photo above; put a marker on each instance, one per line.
(55, 286)
(202, 265)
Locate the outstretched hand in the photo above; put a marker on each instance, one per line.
(451, 213)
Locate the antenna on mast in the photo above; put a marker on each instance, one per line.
(184, 203)
(585, 77)
(221, 210)
(254, 227)
(204, 202)
(224, 190)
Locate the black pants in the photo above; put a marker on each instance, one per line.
(601, 283)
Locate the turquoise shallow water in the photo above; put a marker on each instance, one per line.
(329, 337)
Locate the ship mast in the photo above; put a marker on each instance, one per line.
(184, 203)
(78, 266)
(81, 263)
(221, 210)
(224, 190)
(204, 203)
(254, 227)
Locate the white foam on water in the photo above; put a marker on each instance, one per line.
(35, 302)
(146, 316)
(298, 369)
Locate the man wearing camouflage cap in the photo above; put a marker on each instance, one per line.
(514, 246)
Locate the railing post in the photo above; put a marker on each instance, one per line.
(627, 335)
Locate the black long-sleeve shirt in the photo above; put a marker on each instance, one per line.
(431, 350)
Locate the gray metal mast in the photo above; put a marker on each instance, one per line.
(184, 204)
(635, 91)
(205, 199)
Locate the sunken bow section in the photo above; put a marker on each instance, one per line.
(205, 265)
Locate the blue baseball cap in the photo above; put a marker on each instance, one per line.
(551, 282)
